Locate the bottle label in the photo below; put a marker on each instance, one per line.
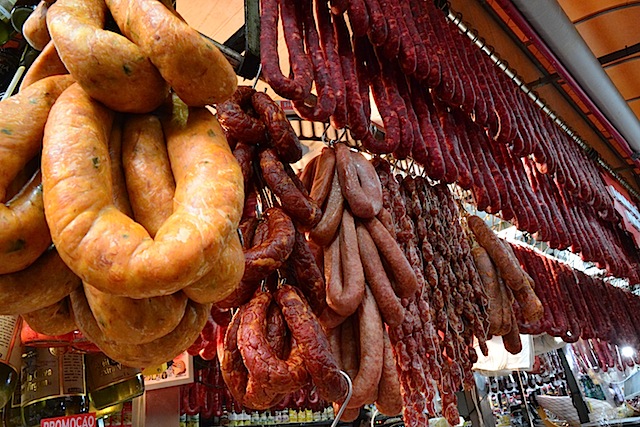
(49, 372)
(103, 372)
(10, 346)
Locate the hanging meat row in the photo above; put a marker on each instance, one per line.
(577, 305)
(444, 103)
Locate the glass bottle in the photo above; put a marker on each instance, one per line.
(10, 347)
(12, 414)
(110, 382)
(53, 384)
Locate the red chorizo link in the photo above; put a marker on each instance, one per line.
(237, 122)
(359, 182)
(299, 86)
(377, 23)
(391, 45)
(330, 49)
(365, 383)
(284, 139)
(358, 17)
(271, 254)
(404, 277)
(326, 99)
(388, 303)
(391, 75)
(407, 57)
(294, 202)
(313, 344)
(268, 374)
(391, 141)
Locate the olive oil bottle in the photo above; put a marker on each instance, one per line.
(53, 384)
(10, 348)
(12, 414)
(110, 383)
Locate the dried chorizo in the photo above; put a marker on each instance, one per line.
(313, 344)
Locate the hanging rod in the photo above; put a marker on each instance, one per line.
(456, 19)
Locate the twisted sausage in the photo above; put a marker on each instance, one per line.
(107, 65)
(234, 118)
(55, 319)
(266, 369)
(142, 355)
(109, 250)
(294, 199)
(273, 251)
(192, 65)
(313, 344)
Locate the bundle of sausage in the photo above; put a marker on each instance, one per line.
(142, 209)
(274, 346)
(451, 312)
(394, 258)
(577, 305)
(506, 284)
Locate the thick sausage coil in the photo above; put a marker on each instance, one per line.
(106, 248)
(129, 82)
(313, 344)
(200, 74)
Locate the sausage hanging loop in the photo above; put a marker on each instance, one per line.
(346, 400)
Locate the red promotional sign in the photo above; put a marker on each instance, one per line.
(80, 420)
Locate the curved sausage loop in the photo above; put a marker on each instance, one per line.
(110, 250)
(24, 234)
(192, 65)
(128, 81)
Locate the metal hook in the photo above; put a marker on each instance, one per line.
(336, 420)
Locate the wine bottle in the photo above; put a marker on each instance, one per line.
(12, 415)
(110, 382)
(53, 384)
(10, 347)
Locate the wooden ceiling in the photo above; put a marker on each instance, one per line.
(608, 27)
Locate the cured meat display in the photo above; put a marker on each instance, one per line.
(445, 104)
(138, 222)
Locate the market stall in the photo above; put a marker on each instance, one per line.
(192, 234)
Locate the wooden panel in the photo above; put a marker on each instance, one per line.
(612, 31)
(626, 76)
